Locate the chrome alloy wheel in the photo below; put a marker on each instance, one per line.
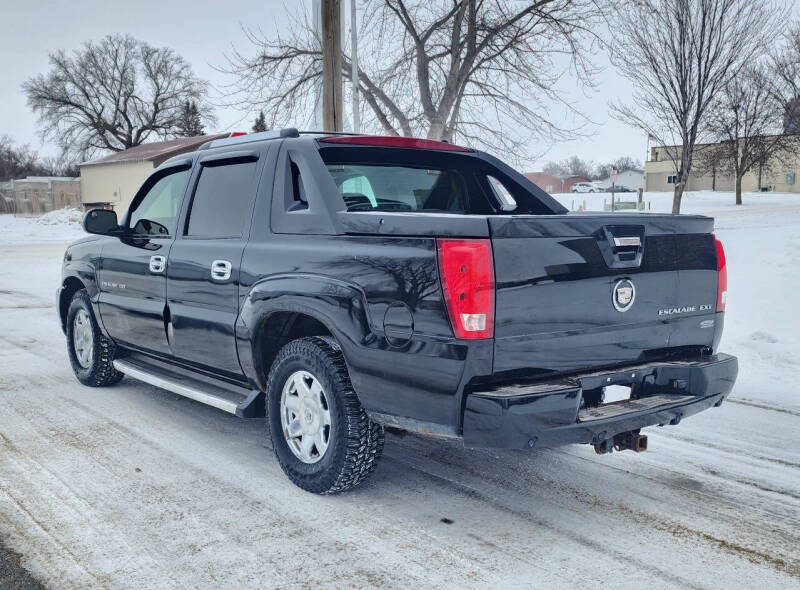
(305, 417)
(83, 338)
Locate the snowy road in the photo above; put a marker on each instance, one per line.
(134, 487)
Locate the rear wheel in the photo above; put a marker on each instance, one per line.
(322, 437)
(90, 353)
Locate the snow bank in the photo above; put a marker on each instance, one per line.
(61, 217)
(62, 225)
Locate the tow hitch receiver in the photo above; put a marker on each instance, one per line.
(625, 440)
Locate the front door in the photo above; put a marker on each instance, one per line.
(203, 270)
(132, 271)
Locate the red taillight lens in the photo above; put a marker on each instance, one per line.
(395, 141)
(722, 276)
(467, 272)
(237, 133)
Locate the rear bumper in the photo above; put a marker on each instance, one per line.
(551, 414)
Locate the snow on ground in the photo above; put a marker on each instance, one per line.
(61, 225)
(134, 487)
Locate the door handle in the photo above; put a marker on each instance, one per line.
(220, 270)
(158, 264)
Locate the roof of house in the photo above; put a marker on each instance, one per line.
(156, 152)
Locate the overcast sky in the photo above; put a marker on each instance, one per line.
(202, 32)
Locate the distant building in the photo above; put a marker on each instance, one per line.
(554, 184)
(546, 182)
(660, 175)
(35, 195)
(632, 179)
(113, 180)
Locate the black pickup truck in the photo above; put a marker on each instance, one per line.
(343, 284)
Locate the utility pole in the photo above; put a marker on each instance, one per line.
(354, 65)
(332, 65)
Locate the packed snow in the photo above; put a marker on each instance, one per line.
(132, 486)
(56, 226)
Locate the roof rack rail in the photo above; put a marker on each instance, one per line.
(330, 133)
(249, 137)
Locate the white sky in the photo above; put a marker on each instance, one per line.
(202, 32)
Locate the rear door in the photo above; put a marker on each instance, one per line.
(204, 263)
(132, 271)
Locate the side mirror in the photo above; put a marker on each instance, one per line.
(101, 221)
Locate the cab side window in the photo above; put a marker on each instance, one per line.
(222, 198)
(157, 213)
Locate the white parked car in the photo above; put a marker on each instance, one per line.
(585, 187)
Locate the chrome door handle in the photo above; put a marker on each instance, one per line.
(220, 270)
(158, 264)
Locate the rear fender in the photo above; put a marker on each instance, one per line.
(338, 305)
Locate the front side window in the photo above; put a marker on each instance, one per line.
(221, 204)
(157, 213)
(387, 187)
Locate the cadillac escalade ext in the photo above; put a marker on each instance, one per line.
(344, 284)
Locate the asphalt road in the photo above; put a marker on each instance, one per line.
(134, 487)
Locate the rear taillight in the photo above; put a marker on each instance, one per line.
(467, 272)
(722, 276)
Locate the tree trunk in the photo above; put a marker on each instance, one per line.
(676, 197)
(738, 190)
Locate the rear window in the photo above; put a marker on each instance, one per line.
(381, 179)
(395, 179)
(379, 187)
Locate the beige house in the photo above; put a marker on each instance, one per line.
(113, 180)
(660, 174)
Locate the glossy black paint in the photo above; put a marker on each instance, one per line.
(132, 298)
(371, 280)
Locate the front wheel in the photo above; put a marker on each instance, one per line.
(90, 353)
(322, 437)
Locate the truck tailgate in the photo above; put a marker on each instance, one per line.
(585, 290)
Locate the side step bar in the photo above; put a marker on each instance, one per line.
(240, 401)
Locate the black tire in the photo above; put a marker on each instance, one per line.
(355, 442)
(100, 371)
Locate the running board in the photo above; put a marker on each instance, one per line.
(224, 396)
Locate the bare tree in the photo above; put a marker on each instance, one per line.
(113, 95)
(20, 161)
(478, 71)
(572, 166)
(786, 64)
(679, 55)
(747, 119)
(712, 158)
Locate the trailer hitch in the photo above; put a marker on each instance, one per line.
(623, 441)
